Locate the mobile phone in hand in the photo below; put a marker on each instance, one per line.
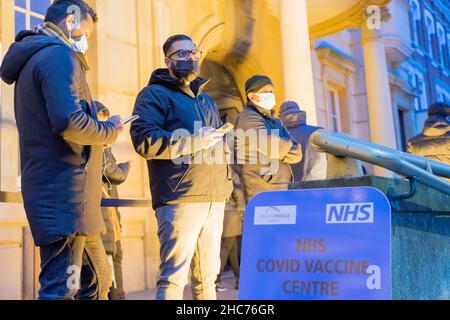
(131, 119)
(227, 127)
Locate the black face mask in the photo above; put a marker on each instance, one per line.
(186, 70)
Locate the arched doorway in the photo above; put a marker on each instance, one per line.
(223, 89)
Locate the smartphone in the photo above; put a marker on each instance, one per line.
(131, 119)
(227, 127)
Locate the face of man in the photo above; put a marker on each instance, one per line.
(255, 96)
(179, 53)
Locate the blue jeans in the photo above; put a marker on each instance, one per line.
(189, 235)
(74, 268)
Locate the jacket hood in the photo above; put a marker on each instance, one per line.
(27, 44)
(163, 77)
(436, 126)
(294, 120)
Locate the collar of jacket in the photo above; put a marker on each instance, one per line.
(163, 77)
(265, 113)
(53, 31)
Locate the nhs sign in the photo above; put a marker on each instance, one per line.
(350, 213)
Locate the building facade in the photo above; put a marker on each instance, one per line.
(371, 81)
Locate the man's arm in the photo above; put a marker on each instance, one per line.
(283, 142)
(60, 79)
(116, 173)
(149, 137)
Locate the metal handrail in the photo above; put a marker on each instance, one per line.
(411, 166)
(16, 198)
(424, 170)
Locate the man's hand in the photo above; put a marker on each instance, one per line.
(210, 137)
(128, 164)
(117, 122)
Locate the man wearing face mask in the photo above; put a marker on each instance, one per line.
(188, 196)
(61, 144)
(264, 148)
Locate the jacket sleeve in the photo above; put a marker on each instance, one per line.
(116, 173)
(61, 85)
(294, 154)
(285, 145)
(149, 137)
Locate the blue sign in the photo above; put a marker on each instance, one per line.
(327, 244)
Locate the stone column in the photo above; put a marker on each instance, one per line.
(296, 56)
(9, 145)
(381, 118)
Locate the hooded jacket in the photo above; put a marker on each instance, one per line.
(434, 141)
(168, 118)
(60, 138)
(314, 164)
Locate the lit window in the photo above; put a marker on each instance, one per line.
(416, 16)
(415, 79)
(429, 21)
(442, 95)
(333, 110)
(448, 49)
(29, 13)
(441, 41)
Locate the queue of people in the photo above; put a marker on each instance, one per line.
(201, 176)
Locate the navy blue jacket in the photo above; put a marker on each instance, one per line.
(60, 138)
(175, 177)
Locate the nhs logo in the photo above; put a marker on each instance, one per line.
(349, 213)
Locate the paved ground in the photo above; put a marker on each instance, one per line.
(228, 281)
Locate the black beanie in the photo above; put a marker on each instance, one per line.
(255, 83)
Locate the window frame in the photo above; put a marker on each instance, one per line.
(29, 13)
(418, 83)
(431, 30)
(416, 16)
(335, 92)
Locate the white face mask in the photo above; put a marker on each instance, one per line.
(267, 101)
(81, 45)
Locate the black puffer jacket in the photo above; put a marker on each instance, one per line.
(174, 176)
(61, 140)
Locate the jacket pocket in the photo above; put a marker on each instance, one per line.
(177, 179)
(69, 198)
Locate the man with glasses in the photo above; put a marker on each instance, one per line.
(189, 176)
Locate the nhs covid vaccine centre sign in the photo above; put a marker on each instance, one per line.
(327, 244)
